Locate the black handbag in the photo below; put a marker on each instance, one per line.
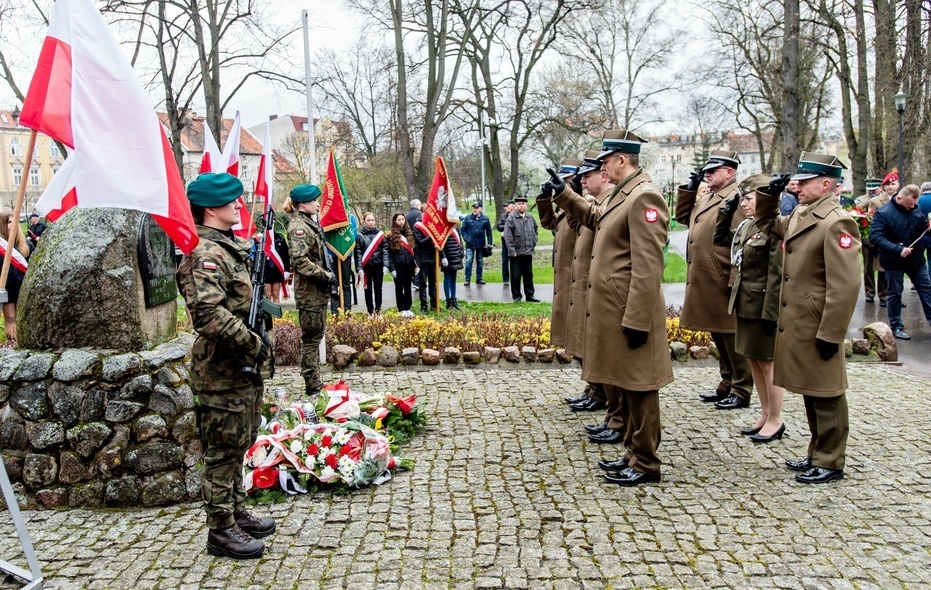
(486, 251)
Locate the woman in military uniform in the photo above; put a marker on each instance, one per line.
(755, 299)
(215, 280)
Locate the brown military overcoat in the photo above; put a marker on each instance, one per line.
(562, 268)
(707, 287)
(821, 280)
(625, 284)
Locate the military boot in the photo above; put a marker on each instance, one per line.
(255, 527)
(233, 542)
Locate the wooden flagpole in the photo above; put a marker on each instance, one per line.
(17, 208)
(436, 280)
(339, 274)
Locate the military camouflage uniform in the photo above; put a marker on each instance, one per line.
(216, 283)
(311, 292)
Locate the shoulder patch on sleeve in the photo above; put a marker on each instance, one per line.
(299, 232)
(845, 241)
(208, 265)
(651, 215)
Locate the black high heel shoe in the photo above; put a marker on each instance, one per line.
(749, 431)
(757, 438)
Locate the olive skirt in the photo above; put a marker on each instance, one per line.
(752, 341)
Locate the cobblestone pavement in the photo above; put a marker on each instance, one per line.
(505, 494)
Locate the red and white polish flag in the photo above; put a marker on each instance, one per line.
(85, 94)
(264, 186)
(227, 161)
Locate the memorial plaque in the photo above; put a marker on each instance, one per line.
(156, 263)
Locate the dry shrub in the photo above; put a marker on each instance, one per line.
(287, 343)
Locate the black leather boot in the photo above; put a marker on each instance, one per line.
(232, 542)
(456, 305)
(257, 528)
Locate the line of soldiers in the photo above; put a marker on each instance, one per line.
(611, 226)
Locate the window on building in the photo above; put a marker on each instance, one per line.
(679, 158)
(53, 150)
(664, 159)
(55, 170)
(17, 175)
(16, 147)
(34, 176)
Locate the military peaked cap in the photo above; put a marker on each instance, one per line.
(620, 140)
(214, 189)
(812, 165)
(591, 162)
(305, 193)
(569, 168)
(720, 158)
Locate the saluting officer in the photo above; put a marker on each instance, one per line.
(312, 280)
(709, 277)
(626, 347)
(820, 286)
(216, 282)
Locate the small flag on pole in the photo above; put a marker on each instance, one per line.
(334, 212)
(440, 215)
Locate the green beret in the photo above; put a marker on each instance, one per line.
(305, 193)
(212, 189)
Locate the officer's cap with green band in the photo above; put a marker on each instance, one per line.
(812, 165)
(214, 189)
(305, 193)
(591, 162)
(620, 140)
(569, 168)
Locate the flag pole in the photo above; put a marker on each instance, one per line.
(310, 101)
(339, 273)
(17, 208)
(436, 280)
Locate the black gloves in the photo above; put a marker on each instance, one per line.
(264, 350)
(769, 327)
(827, 350)
(635, 338)
(776, 185)
(695, 179)
(546, 191)
(576, 184)
(730, 206)
(558, 184)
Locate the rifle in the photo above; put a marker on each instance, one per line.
(261, 311)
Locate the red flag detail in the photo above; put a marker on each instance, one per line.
(440, 215)
(333, 214)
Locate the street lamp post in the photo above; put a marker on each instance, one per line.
(900, 99)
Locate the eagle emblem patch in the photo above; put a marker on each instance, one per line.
(846, 241)
(651, 215)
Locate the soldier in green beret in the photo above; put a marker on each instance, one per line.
(216, 282)
(311, 279)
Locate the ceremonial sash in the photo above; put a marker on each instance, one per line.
(369, 253)
(407, 245)
(17, 260)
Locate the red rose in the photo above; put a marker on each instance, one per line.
(331, 461)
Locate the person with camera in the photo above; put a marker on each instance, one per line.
(476, 232)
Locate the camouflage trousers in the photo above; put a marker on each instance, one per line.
(313, 321)
(227, 424)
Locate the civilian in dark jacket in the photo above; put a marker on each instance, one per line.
(425, 254)
(896, 227)
(476, 232)
(451, 263)
(401, 262)
(413, 216)
(509, 207)
(371, 262)
(520, 235)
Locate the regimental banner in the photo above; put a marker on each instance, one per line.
(156, 263)
(339, 227)
(440, 215)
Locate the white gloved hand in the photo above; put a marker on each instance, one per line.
(444, 262)
(385, 269)
(394, 274)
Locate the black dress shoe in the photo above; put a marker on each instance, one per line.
(819, 475)
(619, 465)
(607, 437)
(631, 477)
(576, 400)
(588, 406)
(799, 465)
(732, 402)
(596, 428)
(533, 300)
(882, 303)
(749, 431)
(717, 396)
(759, 438)
(870, 299)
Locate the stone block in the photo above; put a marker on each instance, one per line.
(492, 355)
(89, 495)
(154, 457)
(451, 355)
(137, 388)
(529, 354)
(193, 453)
(39, 470)
(54, 498)
(183, 430)
(679, 351)
(430, 357)
(713, 350)
(699, 353)
(882, 341)
(119, 368)
(547, 355)
(36, 367)
(14, 466)
(94, 405)
(193, 478)
(66, 402)
(163, 354)
(171, 402)
(4, 394)
(472, 357)
(167, 377)
(388, 356)
(860, 346)
(121, 410)
(45, 434)
(343, 355)
(75, 363)
(10, 363)
(563, 356)
(511, 354)
(120, 438)
(13, 436)
(87, 438)
(367, 358)
(150, 426)
(410, 356)
(30, 401)
(109, 464)
(123, 492)
(164, 490)
(70, 468)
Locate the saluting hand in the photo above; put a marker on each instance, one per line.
(777, 185)
(558, 184)
(576, 184)
(730, 206)
(546, 191)
(695, 179)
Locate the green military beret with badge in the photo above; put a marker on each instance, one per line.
(812, 165)
(719, 158)
(305, 193)
(620, 140)
(214, 189)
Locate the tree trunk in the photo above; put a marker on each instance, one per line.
(789, 123)
(885, 117)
